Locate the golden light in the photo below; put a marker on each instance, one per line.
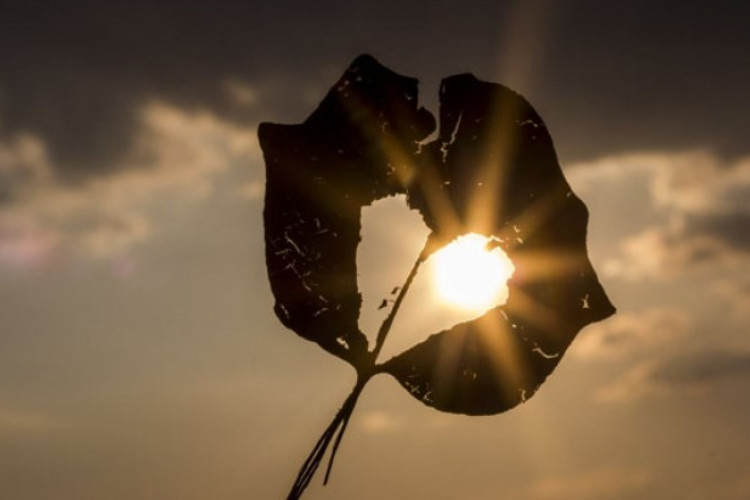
(471, 275)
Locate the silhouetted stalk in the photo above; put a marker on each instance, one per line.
(388, 323)
(339, 422)
(338, 425)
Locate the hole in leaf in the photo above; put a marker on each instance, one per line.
(458, 283)
(392, 237)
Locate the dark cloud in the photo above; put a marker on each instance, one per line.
(668, 251)
(701, 214)
(632, 333)
(665, 75)
(705, 239)
(703, 368)
(608, 75)
(685, 374)
(733, 229)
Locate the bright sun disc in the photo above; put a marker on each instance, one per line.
(469, 276)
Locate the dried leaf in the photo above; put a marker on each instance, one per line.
(492, 171)
(357, 147)
(495, 164)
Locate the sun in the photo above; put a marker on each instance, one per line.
(471, 275)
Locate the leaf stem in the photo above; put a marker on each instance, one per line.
(335, 430)
(385, 328)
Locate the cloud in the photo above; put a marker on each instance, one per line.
(240, 93)
(25, 246)
(700, 183)
(631, 333)
(691, 374)
(668, 251)
(79, 89)
(379, 422)
(735, 289)
(601, 482)
(702, 369)
(23, 164)
(702, 205)
(176, 155)
(633, 385)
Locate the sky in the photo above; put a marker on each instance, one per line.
(139, 353)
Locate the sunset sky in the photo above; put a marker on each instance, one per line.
(140, 357)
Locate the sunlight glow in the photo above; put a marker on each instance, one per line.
(470, 274)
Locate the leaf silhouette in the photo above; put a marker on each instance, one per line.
(357, 147)
(492, 171)
(495, 164)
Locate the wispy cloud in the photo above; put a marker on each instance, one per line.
(23, 164)
(176, 154)
(736, 290)
(703, 211)
(694, 374)
(240, 93)
(668, 251)
(379, 422)
(631, 333)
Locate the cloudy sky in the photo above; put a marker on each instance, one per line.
(139, 353)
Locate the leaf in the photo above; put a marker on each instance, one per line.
(357, 147)
(492, 171)
(495, 163)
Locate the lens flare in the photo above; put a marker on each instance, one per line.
(469, 274)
